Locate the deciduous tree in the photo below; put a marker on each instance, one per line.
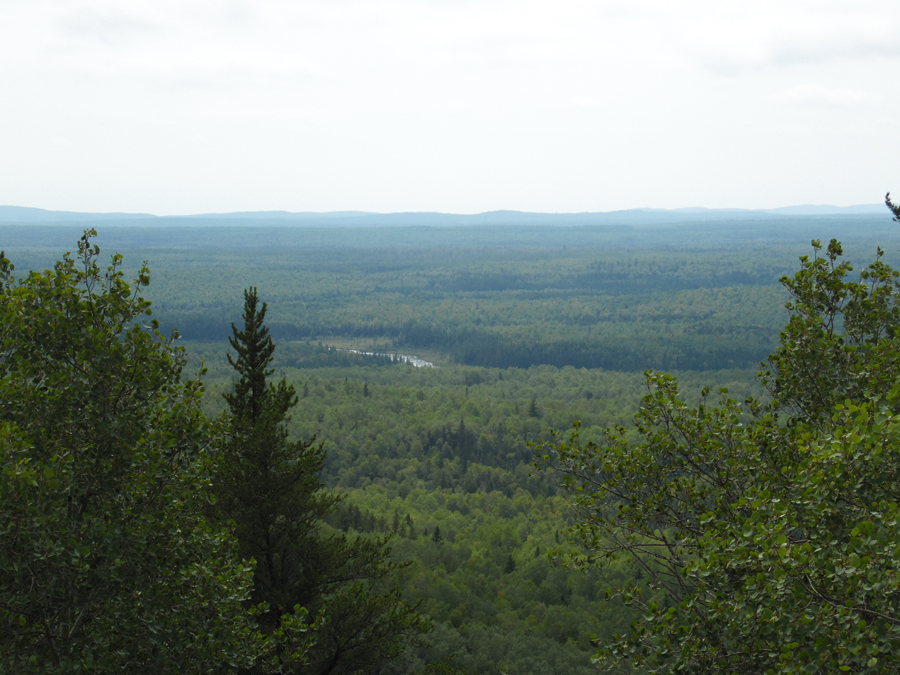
(768, 531)
(107, 563)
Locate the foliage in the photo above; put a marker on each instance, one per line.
(691, 296)
(269, 487)
(404, 449)
(769, 531)
(254, 347)
(571, 300)
(533, 620)
(840, 340)
(106, 561)
(894, 208)
(446, 447)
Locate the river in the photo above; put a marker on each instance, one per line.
(402, 358)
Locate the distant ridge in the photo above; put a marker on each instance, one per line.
(23, 215)
(27, 214)
(823, 210)
(277, 215)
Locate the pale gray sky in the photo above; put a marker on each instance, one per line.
(187, 106)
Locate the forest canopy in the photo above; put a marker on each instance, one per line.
(769, 531)
(113, 556)
(430, 466)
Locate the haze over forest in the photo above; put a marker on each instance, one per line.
(18, 214)
(534, 321)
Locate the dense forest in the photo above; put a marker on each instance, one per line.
(529, 330)
(701, 296)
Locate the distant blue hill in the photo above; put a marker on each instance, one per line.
(22, 215)
(27, 214)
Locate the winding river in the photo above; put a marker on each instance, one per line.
(402, 358)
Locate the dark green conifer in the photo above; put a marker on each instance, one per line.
(254, 347)
(269, 487)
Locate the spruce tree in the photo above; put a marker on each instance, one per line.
(269, 487)
(267, 484)
(254, 347)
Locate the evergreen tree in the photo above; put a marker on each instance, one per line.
(254, 347)
(269, 487)
(267, 484)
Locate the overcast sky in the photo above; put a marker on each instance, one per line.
(189, 106)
